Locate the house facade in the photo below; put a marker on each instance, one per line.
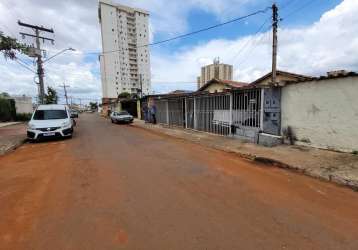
(322, 112)
(315, 111)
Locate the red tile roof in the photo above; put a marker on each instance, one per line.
(228, 83)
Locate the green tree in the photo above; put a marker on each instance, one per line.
(9, 46)
(124, 95)
(4, 95)
(93, 105)
(51, 96)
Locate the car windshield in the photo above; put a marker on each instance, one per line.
(50, 114)
(123, 113)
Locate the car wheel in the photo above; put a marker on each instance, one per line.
(112, 121)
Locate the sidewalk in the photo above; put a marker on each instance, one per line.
(340, 168)
(11, 136)
(5, 124)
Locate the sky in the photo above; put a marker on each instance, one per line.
(315, 36)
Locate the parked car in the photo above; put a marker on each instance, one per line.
(121, 117)
(51, 120)
(74, 113)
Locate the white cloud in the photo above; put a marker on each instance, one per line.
(76, 25)
(330, 43)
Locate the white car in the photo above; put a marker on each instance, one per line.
(121, 117)
(51, 120)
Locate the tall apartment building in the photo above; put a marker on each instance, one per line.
(125, 62)
(216, 70)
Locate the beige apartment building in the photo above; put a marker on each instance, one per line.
(216, 70)
(125, 61)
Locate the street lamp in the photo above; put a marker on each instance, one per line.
(62, 51)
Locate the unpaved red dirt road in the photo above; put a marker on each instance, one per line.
(120, 187)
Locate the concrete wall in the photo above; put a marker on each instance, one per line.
(23, 104)
(323, 113)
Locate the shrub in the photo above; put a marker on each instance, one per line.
(7, 110)
(23, 117)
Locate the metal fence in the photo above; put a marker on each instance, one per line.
(162, 111)
(214, 113)
(246, 108)
(176, 109)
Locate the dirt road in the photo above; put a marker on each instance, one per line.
(119, 187)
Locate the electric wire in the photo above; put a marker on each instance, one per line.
(190, 33)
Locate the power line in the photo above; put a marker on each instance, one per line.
(288, 3)
(23, 62)
(209, 28)
(250, 40)
(191, 33)
(24, 65)
(255, 44)
(298, 9)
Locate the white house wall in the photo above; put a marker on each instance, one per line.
(323, 113)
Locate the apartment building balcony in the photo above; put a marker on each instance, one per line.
(133, 66)
(132, 42)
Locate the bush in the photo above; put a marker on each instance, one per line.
(7, 110)
(23, 117)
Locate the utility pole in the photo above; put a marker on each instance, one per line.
(65, 90)
(38, 53)
(274, 43)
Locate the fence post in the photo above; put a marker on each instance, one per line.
(195, 121)
(231, 105)
(167, 111)
(262, 99)
(186, 112)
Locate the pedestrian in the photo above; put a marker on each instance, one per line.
(153, 113)
(145, 112)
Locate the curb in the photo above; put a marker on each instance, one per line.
(266, 161)
(12, 147)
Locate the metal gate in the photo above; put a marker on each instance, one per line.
(212, 114)
(162, 111)
(246, 108)
(176, 110)
(189, 113)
